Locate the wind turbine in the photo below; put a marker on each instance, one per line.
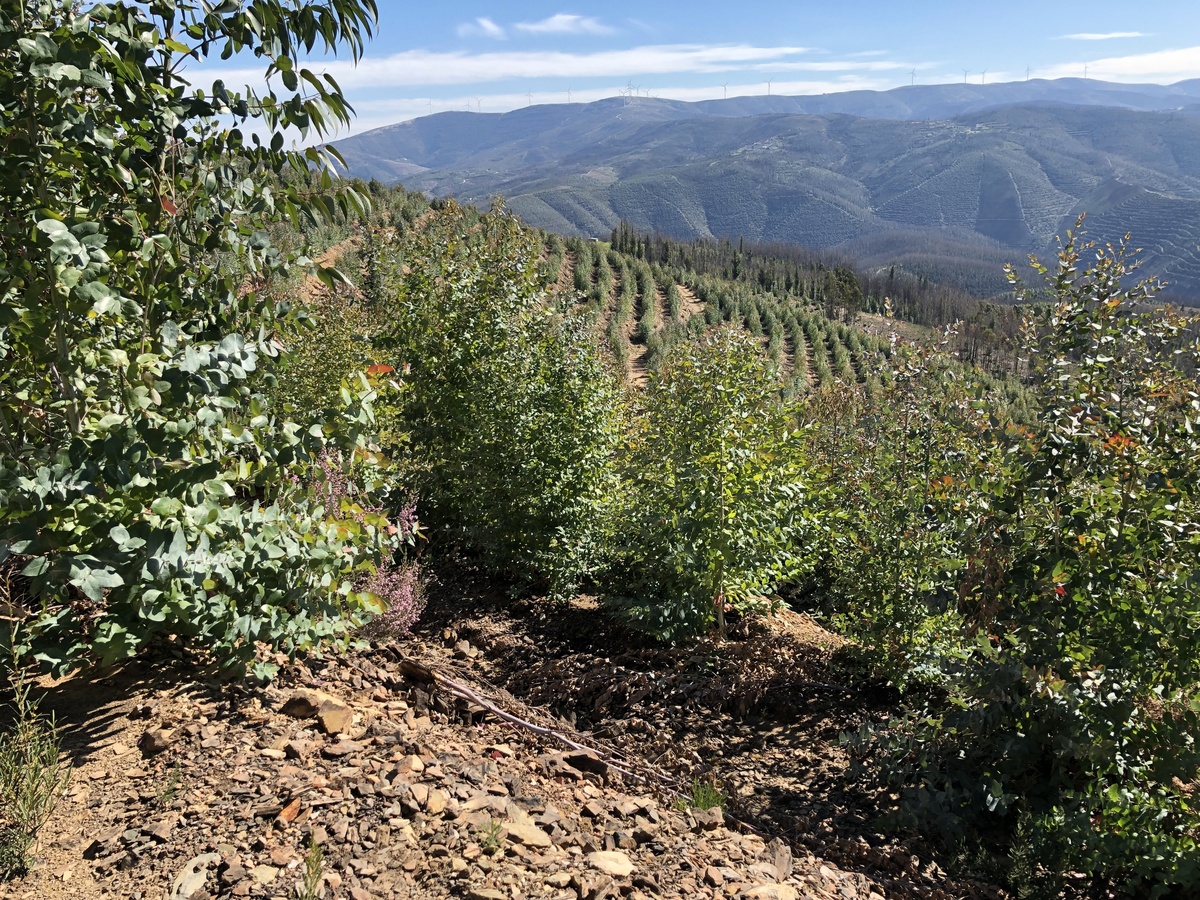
(983, 77)
(769, 80)
(966, 72)
(912, 77)
(478, 104)
(725, 91)
(568, 95)
(1027, 73)
(1085, 68)
(529, 98)
(431, 105)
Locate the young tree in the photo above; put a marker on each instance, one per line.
(148, 487)
(716, 495)
(513, 412)
(1076, 689)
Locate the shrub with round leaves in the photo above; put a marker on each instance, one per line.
(148, 487)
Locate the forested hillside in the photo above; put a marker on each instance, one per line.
(952, 199)
(257, 422)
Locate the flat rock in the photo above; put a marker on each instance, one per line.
(333, 715)
(709, 819)
(585, 761)
(436, 804)
(264, 874)
(611, 862)
(193, 875)
(155, 740)
(771, 892)
(161, 830)
(781, 854)
(528, 835)
(341, 748)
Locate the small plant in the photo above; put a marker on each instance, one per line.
(703, 794)
(489, 837)
(314, 863)
(33, 777)
(168, 790)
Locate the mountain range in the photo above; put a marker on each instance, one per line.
(944, 181)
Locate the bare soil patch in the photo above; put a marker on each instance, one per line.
(692, 305)
(187, 786)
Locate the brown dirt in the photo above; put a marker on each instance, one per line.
(692, 306)
(810, 375)
(882, 326)
(313, 290)
(566, 275)
(788, 360)
(637, 371)
(760, 715)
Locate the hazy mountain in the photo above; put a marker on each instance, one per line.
(946, 180)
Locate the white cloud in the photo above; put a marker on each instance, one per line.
(423, 67)
(481, 27)
(1106, 36)
(836, 65)
(1161, 67)
(564, 23)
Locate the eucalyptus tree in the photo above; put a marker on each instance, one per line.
(146, 486)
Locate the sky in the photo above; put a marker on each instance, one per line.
(492, 57)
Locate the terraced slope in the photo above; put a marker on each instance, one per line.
(951, 199)
(644, 309)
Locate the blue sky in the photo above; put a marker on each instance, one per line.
(491, 57)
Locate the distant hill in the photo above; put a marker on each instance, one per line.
(945, 181)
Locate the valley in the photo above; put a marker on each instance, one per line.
(950, 189)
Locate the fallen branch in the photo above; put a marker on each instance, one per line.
(417, 671)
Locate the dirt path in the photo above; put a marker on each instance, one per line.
(566, 274)
(810, 373)
(636, 369)
(313, 288)
(331, 255)
(610, 308)
(787, 356)
(692, 305)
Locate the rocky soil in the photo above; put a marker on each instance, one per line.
(448, 765)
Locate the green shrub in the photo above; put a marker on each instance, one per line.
(701, 794)
(714, 489)
(149, 488)
(512, 409)
(1075, 703)
(893, 470)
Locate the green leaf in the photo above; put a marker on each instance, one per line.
(94, 580)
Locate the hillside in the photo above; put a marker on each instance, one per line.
(949, 198)
(645, 294)
(412, 791)
(360, 544)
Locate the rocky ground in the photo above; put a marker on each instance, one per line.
(449, 765)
